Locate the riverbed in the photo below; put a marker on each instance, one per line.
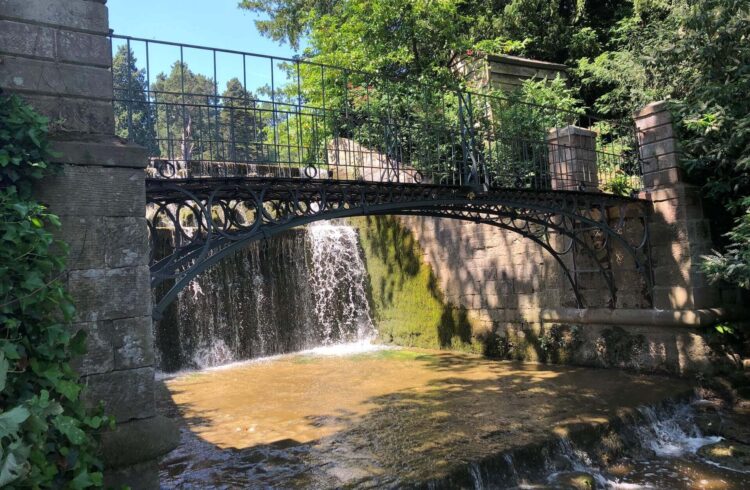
(375, 417)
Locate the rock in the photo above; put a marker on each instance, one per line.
(733, 455)
(574, 480)
(736, 427)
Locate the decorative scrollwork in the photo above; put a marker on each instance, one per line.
(208, 218)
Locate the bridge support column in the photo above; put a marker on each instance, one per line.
(572, 159)
(680, 233)
(56, 54)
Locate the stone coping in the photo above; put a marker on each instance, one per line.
(640, 317)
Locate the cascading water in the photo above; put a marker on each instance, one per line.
(660, 449)
(296, 291)
(338, 283)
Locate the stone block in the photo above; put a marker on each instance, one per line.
(107, 294)
(42, 77)
(658, 148)
(699, 230)
(126, 395)
(663, 178)
(74, 14)
(74, 115)
(127, 242)
(102, 191)
(659, 162)
(655, 133)
(83, 48)
(99, 357)
(105, 151)
(87, 240)
(37, 41)
(572, 158)
(22, 39)
(133, 342)
(654, 108)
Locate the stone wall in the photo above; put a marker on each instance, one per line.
(56, 54)
(517, 296)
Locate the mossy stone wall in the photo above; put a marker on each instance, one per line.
(409, 307)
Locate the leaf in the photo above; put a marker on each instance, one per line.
(11, 420)
(68, 426)
(69, 389)
(10, 470)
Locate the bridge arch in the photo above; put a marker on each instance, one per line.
(209, 219)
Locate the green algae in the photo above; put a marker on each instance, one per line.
(408, 307)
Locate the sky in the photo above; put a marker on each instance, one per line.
(211, 23)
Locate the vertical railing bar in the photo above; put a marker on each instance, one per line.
(130, 92)
(277, 155)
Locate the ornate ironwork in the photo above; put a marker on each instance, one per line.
(310, 142)
(213, 217)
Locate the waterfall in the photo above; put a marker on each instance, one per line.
(300, 290)
(338, 283)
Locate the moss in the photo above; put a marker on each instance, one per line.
(620, 348)
(409, 308)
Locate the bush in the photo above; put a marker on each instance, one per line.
(45, 431)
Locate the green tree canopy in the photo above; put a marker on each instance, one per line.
(135, 118)
(242, 124)
(622, 54)
(187, 113)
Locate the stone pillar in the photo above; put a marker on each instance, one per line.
(680, 233)
(572, 159)
(56, 54)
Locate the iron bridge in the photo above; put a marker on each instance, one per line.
(315, 142)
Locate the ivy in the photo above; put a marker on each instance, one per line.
(46, 433)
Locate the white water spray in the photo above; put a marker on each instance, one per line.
(338, 282)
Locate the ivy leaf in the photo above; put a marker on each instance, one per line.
(10, 470)
(11, 420)
(69, 389)
(70, 429)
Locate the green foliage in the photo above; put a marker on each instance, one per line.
(242, 124)
(734, 264)
(188, 109)
(623, 54)
(45, 431)
(408, 306)
(526, 116)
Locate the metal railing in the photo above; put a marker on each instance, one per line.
(213, 112)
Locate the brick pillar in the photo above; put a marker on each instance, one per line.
(572, 159)
(680, 233)
(56, 54)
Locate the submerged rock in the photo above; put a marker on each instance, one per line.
(574, 480)
(732, 455)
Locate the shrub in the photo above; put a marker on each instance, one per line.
(45, 431)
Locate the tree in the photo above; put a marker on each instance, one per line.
(135, 117)
(622, 53)
(242, 126)
(188, 114)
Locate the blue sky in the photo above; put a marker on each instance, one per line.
(212, 23)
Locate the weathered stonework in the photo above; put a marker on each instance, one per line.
(56, 54)
(522, 306)
(680, 230)
(572, 159)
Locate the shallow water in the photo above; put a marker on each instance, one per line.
(390, 417)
